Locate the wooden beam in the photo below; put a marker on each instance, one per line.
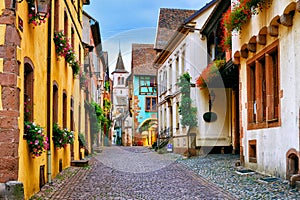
(252, 47)
(273, 31)
(244, 53)
(286, 19)
(298, 6)
(261, 39)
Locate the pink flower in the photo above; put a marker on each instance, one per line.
(36, 142)
(31, 142)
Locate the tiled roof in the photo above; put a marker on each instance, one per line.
(168, 22)
(143, 56)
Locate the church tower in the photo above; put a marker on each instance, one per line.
(119, 99)
(119, 78)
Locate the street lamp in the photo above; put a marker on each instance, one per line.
(42, 8)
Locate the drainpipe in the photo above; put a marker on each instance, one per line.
(49, 110)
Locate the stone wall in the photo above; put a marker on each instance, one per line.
(9, 95)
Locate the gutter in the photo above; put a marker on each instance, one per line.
(49, 110)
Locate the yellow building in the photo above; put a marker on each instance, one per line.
(39, 83)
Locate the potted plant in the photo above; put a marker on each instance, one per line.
(36, 139)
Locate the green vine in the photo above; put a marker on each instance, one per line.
(188, 113)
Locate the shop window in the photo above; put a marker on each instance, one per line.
(252, 151)
(151, 104)
(28, 92)
(263, 89)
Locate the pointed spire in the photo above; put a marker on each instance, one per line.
(120, 64)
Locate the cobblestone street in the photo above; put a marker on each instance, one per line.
(131, 173)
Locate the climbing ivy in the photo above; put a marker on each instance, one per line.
(188, 113)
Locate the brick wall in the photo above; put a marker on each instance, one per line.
(9, 97)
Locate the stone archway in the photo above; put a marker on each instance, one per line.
(292, 163)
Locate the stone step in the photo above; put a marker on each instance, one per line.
(98, 150)
(80, 163)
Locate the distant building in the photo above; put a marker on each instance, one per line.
(143, 94)
(119, 99)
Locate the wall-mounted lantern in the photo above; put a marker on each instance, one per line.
(210, 116)
(42, 8)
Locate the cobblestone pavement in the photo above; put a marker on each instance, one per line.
(131, 173)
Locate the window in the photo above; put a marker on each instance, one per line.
(56, 15)
(151, 104)
(66, 24)
(72, 114)
(170, 76)
(28, 92)
(177, 115)
(177, 68)
(147, 85)
(72, 38)
(252, 151)
(182, 62)
(55, 103)
(263, 89)
(64, 110)
(119, 80)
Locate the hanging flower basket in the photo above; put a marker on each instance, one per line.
(36, 139)
(237, 16)
(210, 73)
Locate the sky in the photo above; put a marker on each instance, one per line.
(123, 22)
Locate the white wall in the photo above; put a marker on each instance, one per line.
(273, 143)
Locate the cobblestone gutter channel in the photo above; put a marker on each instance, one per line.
(221, 170)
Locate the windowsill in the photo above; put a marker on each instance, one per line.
(266, 124)
(253, 159)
